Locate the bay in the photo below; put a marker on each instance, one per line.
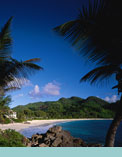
(91, 131)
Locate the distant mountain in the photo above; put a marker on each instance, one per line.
(74, 107)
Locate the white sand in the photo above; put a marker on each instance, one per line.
(20, 126)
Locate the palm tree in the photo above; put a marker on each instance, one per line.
(98, 74)
(97, 35)
(12, 71)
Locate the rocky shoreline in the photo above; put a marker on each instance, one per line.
(56, 137)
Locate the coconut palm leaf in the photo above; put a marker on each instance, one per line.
(32, 60)
(11, 69)
(5, 101)
(5, 40)
(11, 89)
(97, 32)
(25, 66)
(14, 69)
(100, 73)
(80, 31)
(31, 66)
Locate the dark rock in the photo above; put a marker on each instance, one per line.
(47, 141)
(55, 129)
(56, 137)
(29, 144)
(34, 145)
(50, 135)
(25, 141)
(34, 137)
(78, 142)
(66, 138)
(40, 139)
(56, 142)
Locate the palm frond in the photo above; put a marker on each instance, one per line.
(5, 39)
(15, 83)
(100, 73)
(5, 101)
(32, 60)
(32, 66)
(80, 31)
(14, 69)
(24, 68)
(11, 89)
(97, 32)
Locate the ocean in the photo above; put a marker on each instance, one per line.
(91, 131)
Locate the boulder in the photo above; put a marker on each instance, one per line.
(55, 129)
(78, 142)
(56, 137)
(29, 144)
(25, 141)
(50, 136)
(36, 139)
(56, 142)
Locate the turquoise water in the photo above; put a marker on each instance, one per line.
(91, 131)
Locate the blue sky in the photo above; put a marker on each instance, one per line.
(63, 67)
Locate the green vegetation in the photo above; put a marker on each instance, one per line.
(4, 109)
(11, 138)
(73, 107)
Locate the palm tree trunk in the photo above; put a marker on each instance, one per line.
(110, 138)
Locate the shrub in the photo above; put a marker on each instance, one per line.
(11, 138)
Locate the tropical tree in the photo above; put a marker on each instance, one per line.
(97, 35)
(12, 72)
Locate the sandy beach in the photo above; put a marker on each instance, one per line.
(21, 126)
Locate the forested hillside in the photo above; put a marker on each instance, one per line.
(73, 107)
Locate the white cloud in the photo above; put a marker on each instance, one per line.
(111, 99)
(35, 92)
(107, 99)
(50, 89)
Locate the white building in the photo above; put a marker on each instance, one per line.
(13, 115)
